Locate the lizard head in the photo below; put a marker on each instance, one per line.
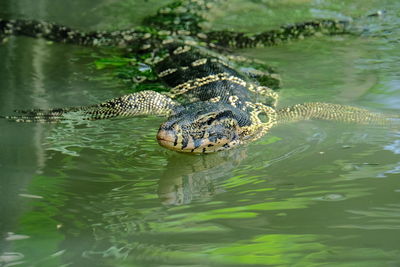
(200, 130)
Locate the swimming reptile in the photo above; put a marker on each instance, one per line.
(211, 105)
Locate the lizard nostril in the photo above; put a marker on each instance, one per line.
(167, 138)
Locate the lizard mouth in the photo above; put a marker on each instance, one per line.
(167, 139)
(170, 140)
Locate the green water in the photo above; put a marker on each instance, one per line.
(104, 193)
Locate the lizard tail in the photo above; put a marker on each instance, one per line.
(137, 104)
(288, 32)
(64, 34)
(334, 112)
(282, 34)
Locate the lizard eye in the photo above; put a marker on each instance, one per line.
(209, 118)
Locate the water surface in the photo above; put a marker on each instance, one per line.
(103, 193)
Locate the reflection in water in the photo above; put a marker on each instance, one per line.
(193, 177)
(38, 89)
(395, 146)
(128, 221)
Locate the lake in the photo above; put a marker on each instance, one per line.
(104, 193)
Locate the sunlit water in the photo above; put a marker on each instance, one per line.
(103, 193)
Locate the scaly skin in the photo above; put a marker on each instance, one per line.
(211, 104)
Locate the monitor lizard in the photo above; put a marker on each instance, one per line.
(211, 105)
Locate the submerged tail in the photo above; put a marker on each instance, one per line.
(64, 34)
(334, 112)
(274, 37)
(288, 32)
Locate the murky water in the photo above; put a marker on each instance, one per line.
(105, 194)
